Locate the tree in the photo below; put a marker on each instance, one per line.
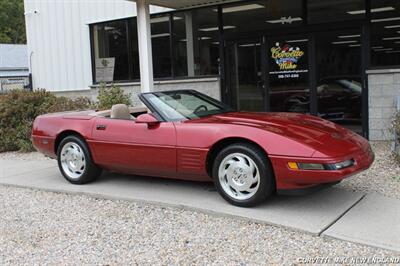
(12, 21)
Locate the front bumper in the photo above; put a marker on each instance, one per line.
(287, 179)
(306, 190)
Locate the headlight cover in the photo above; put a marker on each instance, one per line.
(344, 164)
(311, 166)
(306, 166)
(318, 166)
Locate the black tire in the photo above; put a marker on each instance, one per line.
(91, 171)
(266, 177)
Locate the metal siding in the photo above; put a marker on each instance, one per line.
(59, 37)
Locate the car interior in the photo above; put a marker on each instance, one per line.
(123, 112)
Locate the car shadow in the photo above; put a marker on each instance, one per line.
(184, 185)
(108, 176)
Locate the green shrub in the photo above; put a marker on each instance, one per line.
(108, 96)
(18, 109)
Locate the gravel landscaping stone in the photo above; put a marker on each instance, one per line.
(383, 177)
(38, 227)
(23, 156)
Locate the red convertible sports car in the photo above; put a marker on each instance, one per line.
(187, 135)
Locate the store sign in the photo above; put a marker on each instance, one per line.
(287, 59)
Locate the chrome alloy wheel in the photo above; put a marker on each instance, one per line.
(73, 160)
(239, 176)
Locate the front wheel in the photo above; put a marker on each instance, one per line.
(75, 162)
(243, 175)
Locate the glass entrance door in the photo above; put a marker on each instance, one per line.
(288, 74)
(316, 73)
(244, 75)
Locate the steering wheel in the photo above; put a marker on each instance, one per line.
(198, 108)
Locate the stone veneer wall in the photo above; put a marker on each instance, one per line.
(209, 86)
(384, 88)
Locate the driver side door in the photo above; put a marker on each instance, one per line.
(127, 146)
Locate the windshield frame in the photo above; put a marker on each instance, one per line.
(153, 108)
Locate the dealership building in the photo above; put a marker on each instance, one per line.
(337, 59)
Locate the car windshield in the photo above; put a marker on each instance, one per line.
(184, 105)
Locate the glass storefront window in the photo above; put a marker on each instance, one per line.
(338, 56)
(385, 32)
(335, 10)
(110, 46)
(134, 50)
(288, 74)
(179, 45)
(259, 15)
(206, 42)
(160, 41)
(245, 74)
(195, 50)
(196, 43)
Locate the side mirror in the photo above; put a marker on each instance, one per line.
(148, 119)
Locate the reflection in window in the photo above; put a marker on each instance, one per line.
(111, 51)
(160, 41)
(385, 37)
(196, 43)
(259, 15)
(337, 10)
(244, 74)
(195, 50)
(339, 77)
(179, 45)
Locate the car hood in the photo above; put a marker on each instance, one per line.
(326, 138)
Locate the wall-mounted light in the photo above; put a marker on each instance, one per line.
(31, 12)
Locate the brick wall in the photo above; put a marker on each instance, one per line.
(384, 87)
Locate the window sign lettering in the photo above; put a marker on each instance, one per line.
(287, 59)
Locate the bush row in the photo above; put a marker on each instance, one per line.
(18, 109)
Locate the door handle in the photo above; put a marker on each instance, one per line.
(101, 127)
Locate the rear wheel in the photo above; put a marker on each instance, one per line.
(75, 162)
(243, 175)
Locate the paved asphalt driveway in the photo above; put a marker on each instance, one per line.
(368, 219)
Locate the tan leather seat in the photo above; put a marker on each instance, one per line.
(120, 111)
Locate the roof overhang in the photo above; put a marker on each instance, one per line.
(185, 4)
